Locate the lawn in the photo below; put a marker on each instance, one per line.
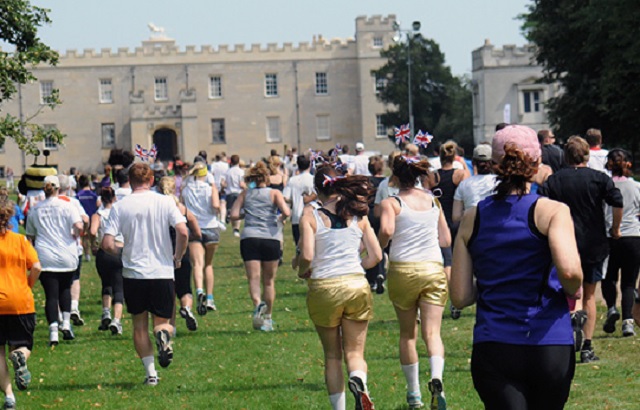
(227, 365)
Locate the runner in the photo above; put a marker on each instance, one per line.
(260, 240)
(339, 298)
(143, 218)
(416, 278)
(17, 308)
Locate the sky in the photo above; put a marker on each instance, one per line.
(459, 26)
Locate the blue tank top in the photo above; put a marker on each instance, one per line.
(520, 299)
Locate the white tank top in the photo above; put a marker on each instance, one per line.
(337, 250)
(197, 198)
(416, 236)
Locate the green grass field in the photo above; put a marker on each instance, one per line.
(227, 365)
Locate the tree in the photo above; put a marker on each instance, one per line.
(441, 102)
(591, 48)
(19, 22)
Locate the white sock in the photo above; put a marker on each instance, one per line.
(149, 366)
(362, 375)
(115, 320)
(437, 367)
(12, 397)
(199, 291)
(106, 310)
(412, 374)
(74, 305)
(267, 317)
(53, 327)
(338, 401)
(66, 316)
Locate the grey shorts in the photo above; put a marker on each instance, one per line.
(209, 235)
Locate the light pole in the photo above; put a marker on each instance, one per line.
(415, 28)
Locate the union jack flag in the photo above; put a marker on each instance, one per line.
(145, 154)
(422, 139)
(411, 160)
(402, 134)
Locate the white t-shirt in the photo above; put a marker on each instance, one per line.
(76, 203)
(298, 186)
(233, 178)
(197, 198)
(143, 219)
(122, 192)
(598, 160)
(361, 165)
(219, 169)
(474, 189)
(385, 191)
(51, 223)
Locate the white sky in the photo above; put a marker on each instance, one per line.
(459, 26)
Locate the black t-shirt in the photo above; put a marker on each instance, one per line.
(553, 156)
(585, 191)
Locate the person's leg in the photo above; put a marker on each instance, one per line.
(610, 281)
(143, 346)
(5, 379)
(223, 210)
(589, 303)
(550, 373)
(252, 269)
(333, 375)
(50, 285)
(431, 324)
(19, 357)
(196, 256)
(210, 250)
(629, 277)
(354, 338)
(269, 270)
(75, 295)
(65, 280)
(409, 360)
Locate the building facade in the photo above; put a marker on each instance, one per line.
(507, 88)
(240, 100)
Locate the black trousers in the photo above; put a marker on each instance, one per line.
(57, 292)
(624, 262)
(109, 268)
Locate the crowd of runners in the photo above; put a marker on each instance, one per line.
(525, 230)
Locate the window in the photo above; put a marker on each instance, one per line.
(215, 87)
(381, 129)
(273, 129)
(48, 142)
(321, 84)
(161, 91)
(217, 131)
(271, 85)
(46, 89)
(531, 101)
(377, 42)
(323, 127)
(106, 91)
(2, 173)
(380, 82)
(108, 135)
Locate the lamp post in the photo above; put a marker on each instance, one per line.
(415, 28)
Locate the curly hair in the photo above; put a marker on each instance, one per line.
(259, 173)
(167, 186)
(353, 191)
(514, 171)
(7, 209)
(407, 170)
(619, 162)
(274, 164)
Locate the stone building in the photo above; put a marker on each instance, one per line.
(506, 88)
(243, 100)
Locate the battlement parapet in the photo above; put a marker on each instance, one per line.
(365, 23)
(488, 56)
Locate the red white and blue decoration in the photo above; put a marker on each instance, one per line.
(422, 139)
(403, 134)
(146, 154)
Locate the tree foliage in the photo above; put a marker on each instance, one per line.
(441, 102)
(19, 23)
(592, 49)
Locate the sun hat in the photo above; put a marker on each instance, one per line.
(482, 152)
(524, 137)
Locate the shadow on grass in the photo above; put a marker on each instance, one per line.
(270, 387)
(86, 387)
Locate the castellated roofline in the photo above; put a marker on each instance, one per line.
(375, 20)
(509, 55)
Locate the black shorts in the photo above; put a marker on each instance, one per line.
(259, 249)
(231, 199)
(295, 230)
(593, 272)
(149, 295)
(17, 330)
(183, 277)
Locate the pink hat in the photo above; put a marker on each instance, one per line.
(524, 137)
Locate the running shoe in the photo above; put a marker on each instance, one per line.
(165, 351)
(613, 316)
(53, 336)
(202, 304)
(438, 401)
(380, 284)
(222, 226)
(258, 314)
(151, 380)
(106, 321)
(211, 305)
(588, 356)
(414, 400)
(67, 333)
(627, 328)
(578, 320)
(76, 318)
(187, 315)
(116, 328)
(455, 312)
(236, 233)
(9, 404)
(23, 376)
(267, 325)
(363, 401)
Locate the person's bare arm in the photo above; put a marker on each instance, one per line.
(389, 209)
(234, 215)
(374, 252)
(34, 274)
(307, 242)
(109, 245)
(279, 201)
(95, 224)
(215, 198)
(617, 220)
(307, 198)
(192, 222)
(461, 285)
(444, 234)
(458, 210)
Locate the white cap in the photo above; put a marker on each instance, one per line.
(53, 180)
(359, 146)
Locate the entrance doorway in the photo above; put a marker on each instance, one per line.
(166, 142)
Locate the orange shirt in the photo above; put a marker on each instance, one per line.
(16, 257)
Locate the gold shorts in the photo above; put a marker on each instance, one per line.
(412, 282)
(331, 300)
